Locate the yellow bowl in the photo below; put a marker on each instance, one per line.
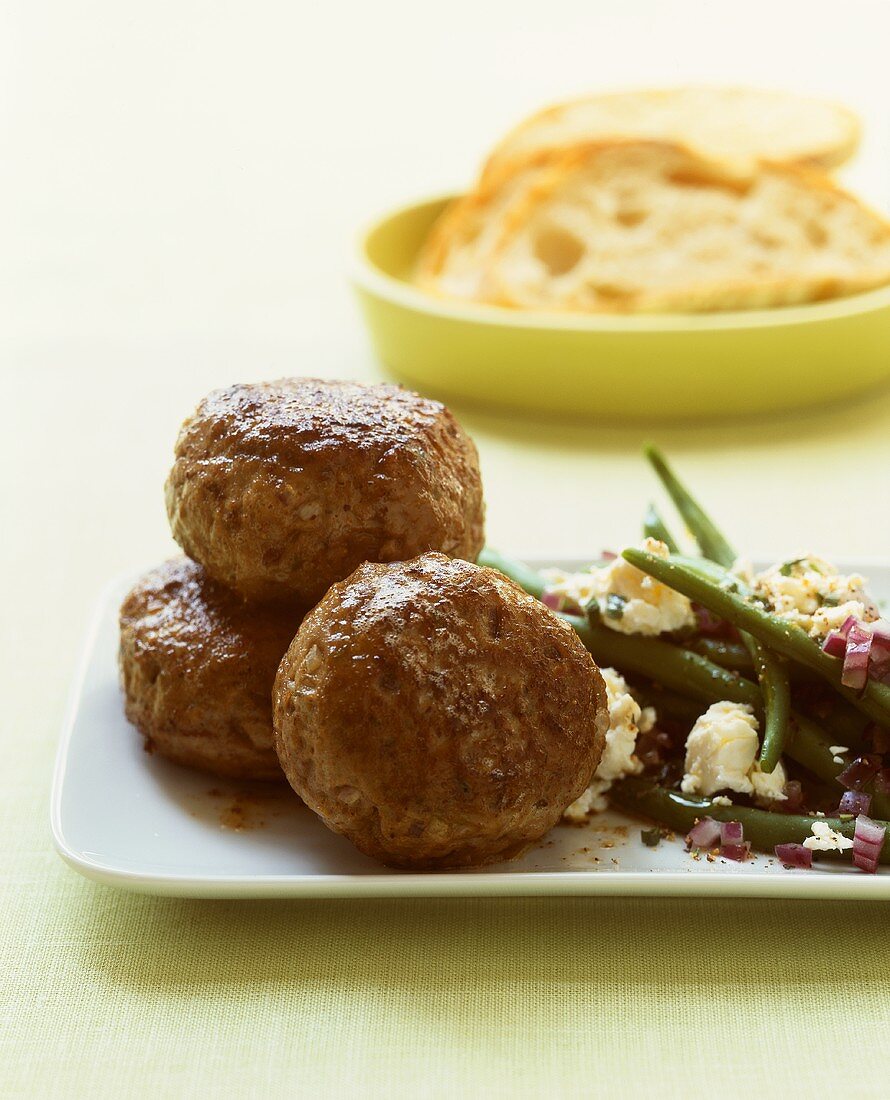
(654, 367)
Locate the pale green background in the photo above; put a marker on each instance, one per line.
(179, 184)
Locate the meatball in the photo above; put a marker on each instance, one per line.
(281, 488)
(197, 668)
(436, 714)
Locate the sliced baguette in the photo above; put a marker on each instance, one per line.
(651, 226)
(454, 256)
(742, 125)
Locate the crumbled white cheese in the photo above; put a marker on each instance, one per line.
(769, 786)
(720, 755)
(838, 760)
(625, 716)
(626, 720)
(627, 599)
(721, 800)
(647, 718)
(810, 592)
(590, 802)
(836, 750)
(825, 839)
(632, 602)
(575, 590)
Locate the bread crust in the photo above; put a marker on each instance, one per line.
(437, 715)
(281, 488)
(472, 230)
(197, 667)
(463, 221)
(807, 278)
(638, 270)
(639, 115)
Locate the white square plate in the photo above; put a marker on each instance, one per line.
(129, 819)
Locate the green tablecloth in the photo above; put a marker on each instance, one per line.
(109, 994)
(114, 995)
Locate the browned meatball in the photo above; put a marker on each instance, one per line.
(436, 714)
(197, 668)
(281, 488)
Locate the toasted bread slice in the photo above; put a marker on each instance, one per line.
(454, 256)
(652, 226)
(741, 125)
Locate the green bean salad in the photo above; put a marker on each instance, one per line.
(748, 710)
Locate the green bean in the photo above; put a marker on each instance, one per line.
(762, 828)
(772, 676)
(810, 745)
(688, 674)
(849, 726)
(731, 655)
(785, 637)
(675, 668)
(771, 672)
(710, 540)
(526, 577)
(704, 566)
(682, 671)
(671, 703)
(654, 527)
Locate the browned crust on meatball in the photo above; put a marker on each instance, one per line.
(437, 715)
(197, 667)
(282, 488)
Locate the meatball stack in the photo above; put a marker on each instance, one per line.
(278, 490)
(426, 708)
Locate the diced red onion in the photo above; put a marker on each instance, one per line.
(794, 855)
(855, 671)
(847, 625)
(835, 645)
(854, 802)
(865, 649)
(879, 669)
(793, 799)
(608, 555)
(861, 771)
(552, 600)
(732, 841)
(868, 831)
(705, 833)
(868, 840)
(708, 622)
